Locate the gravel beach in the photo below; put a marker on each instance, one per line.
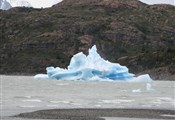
(98, 114)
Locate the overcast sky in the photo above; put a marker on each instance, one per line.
(49, 3)
(42, 3)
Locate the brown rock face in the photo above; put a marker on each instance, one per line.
(107, 3)
(86, 42)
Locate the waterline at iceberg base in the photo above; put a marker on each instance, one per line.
(92, 67)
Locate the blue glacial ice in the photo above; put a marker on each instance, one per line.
(91, 67)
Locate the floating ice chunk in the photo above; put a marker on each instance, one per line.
(149, 87)
(136, 91)
(141, 78)
(168, 115)
(41, 76)
(145, 77)
(91, 67)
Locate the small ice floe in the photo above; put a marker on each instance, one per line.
(149, 87)
(115, 101)
(22, 97)
(167, 115)
(141, 78)
(32, 100)
(30, 106)
(41, 77)
(136, 91)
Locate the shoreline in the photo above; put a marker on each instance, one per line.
(97, 114)
(32, 75)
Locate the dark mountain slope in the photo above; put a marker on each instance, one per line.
(106, 3)
(137, 35)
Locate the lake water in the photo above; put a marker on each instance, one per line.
(24, 94)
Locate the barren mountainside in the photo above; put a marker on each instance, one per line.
(107, 3)
(134, 34)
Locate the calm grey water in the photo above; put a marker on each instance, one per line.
(24, 94)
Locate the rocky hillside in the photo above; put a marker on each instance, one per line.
(135, 34)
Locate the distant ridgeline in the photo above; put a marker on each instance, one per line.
(129, 32)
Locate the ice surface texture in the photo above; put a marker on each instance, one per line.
(91, 67)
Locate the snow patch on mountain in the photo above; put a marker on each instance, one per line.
(19, 3)
(4, 5)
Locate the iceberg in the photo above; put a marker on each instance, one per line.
(91, 67)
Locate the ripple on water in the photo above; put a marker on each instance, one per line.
(22, 97)
(136, 91)
(116, 101)
(62, 84)
(32, 100)
(27, 106)
(65, 102)
(53, 105)
(163, 100)
(76, 104)
(98, 105)
(167, 115)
